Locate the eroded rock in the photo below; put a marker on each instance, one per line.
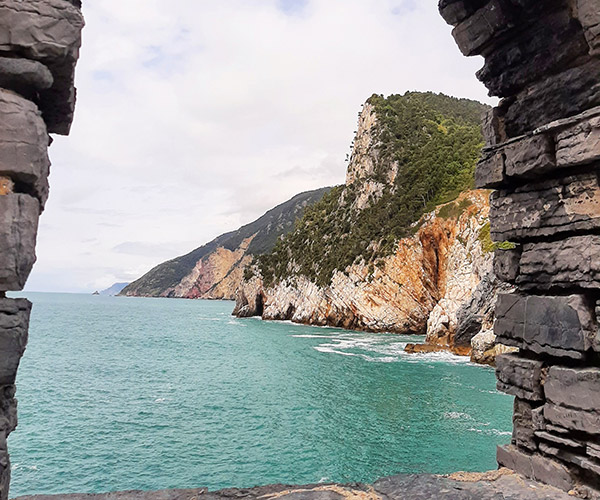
(519, 376)
(561, 326)
(19, 215)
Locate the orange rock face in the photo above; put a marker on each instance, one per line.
(441, 264)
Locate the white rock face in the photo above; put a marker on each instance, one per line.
(419, 287)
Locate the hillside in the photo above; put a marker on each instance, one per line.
(403, 245)
(214, 270)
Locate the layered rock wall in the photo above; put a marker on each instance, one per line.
(543, 157)
(39, 46)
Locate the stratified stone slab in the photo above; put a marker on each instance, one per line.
(559, 326)
(579, 144)
(19, 216)
(577, 420)
(530, 157)
(535, 467)
(569, 263)
(14, 324)
(558, 96)
(524, 425)
(571, 204)
(577, 388)
(48, 31)
(24, 144)
(519, 376)
(490, 171)
(481, 27)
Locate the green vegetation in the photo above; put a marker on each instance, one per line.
(487, 245)
(435, 141)
(454, 210)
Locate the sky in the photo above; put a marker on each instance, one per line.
(197, 116)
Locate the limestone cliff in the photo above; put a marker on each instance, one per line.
(215, 270)
(419, 287)
(403, 245)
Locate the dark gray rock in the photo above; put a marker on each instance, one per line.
(557, 96)
(491, 486)
(552, 41)
(523, 425)
(530, 157)
(579, 144)
(577, 388)
(535, 467)
(24, 145)
(561, 441)
(506, 264)
(19, 216)
(519, 376)
(490, 171)
(570, 204)
(492, 128)
(455, 11)
(559, 326)
(477, 30)
(14, 324)
(567, 264)
(24, 76)
(48, 31)
(478, 310)
(588, 14)
(577, 420)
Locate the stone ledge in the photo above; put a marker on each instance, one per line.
(48, 31)
(492, 485)
(24, 144)
(570, 263)
(546, 209)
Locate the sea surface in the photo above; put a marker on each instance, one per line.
(130, 393)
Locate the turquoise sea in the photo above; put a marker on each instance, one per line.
(124, 393)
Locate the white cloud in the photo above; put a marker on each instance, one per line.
(196, 116)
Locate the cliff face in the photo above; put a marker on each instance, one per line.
(418, 288)
(215, 270)
(410, 275)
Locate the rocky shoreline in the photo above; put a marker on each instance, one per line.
(495, 485)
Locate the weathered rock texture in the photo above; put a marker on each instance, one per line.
(494, 485)
(39, 46)
(543, 157)
(437, 281)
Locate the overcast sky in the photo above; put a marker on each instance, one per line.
(196, 116)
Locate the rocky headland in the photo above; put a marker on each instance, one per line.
(386, 252)
(215, 270)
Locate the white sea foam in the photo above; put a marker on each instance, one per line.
(160, 400)
(26, 467)
(456, 415)
(333, 351)
(312, 336)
